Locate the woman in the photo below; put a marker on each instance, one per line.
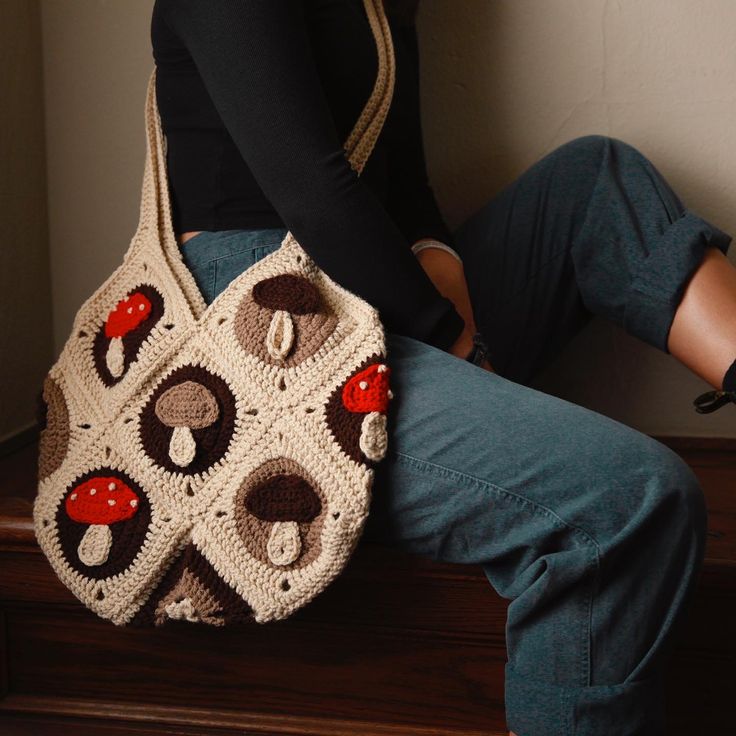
(594, 531)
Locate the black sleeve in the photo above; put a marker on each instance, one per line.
(411, 200)
(256, 63)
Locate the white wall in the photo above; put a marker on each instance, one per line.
(504, 82)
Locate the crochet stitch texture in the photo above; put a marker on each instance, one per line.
(214, 463)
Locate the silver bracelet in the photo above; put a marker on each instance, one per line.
(432, 243)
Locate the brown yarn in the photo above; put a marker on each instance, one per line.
(192, 575)
(289, 292)
(133, 341)
(127, 536)
(212, 440)
(312, 331)
(54, 437)
(255, 532)
(346, 425)
(283, 498)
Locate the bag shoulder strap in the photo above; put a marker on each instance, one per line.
(155, 209)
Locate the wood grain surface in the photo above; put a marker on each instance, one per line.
(398, 645)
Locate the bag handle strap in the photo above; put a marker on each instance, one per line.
(364, 134)
(155, 208)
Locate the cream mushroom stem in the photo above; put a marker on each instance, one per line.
(115, 357)
(182, 447)
(94, 547)
(280, 336)
(284, 543)
(373, 435)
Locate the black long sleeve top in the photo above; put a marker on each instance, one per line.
(256, 100)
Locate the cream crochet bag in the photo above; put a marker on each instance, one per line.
(214, 463)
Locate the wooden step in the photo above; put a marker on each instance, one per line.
(398, 645)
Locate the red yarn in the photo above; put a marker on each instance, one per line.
(89, 502)
(374, 397)
(127, 315)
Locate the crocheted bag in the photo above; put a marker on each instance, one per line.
(214, 463)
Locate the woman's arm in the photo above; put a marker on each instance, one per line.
(256, 62)
(448, 275)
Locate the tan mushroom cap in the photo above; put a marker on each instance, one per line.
(187, 404)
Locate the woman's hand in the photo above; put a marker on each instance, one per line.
(448, 275)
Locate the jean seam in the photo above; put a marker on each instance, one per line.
(212, 280)
(252, 249)
(488, 485)
(213, 268)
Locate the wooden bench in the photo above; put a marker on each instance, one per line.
(398, 645)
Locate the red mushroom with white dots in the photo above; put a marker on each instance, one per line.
(127, 315)
(100, 502)
(368, 392)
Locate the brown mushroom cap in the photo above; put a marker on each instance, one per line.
(283, 497)
(187, 404)
(288, 292)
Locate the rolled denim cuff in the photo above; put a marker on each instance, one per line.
(535, 708)
(660, 281)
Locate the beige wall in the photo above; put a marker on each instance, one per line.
(504, 81)
(508, 81)
(25, 303)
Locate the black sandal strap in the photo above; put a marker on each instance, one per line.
(712, 400)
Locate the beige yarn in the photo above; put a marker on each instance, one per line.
(266, 383)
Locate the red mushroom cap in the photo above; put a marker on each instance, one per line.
(128, 314)
(367, 391)
(101, 500)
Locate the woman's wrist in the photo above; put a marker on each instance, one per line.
(471, 346)
(463, 346)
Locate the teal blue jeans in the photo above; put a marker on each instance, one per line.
(592, 530)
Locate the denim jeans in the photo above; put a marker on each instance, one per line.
(592, 530)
